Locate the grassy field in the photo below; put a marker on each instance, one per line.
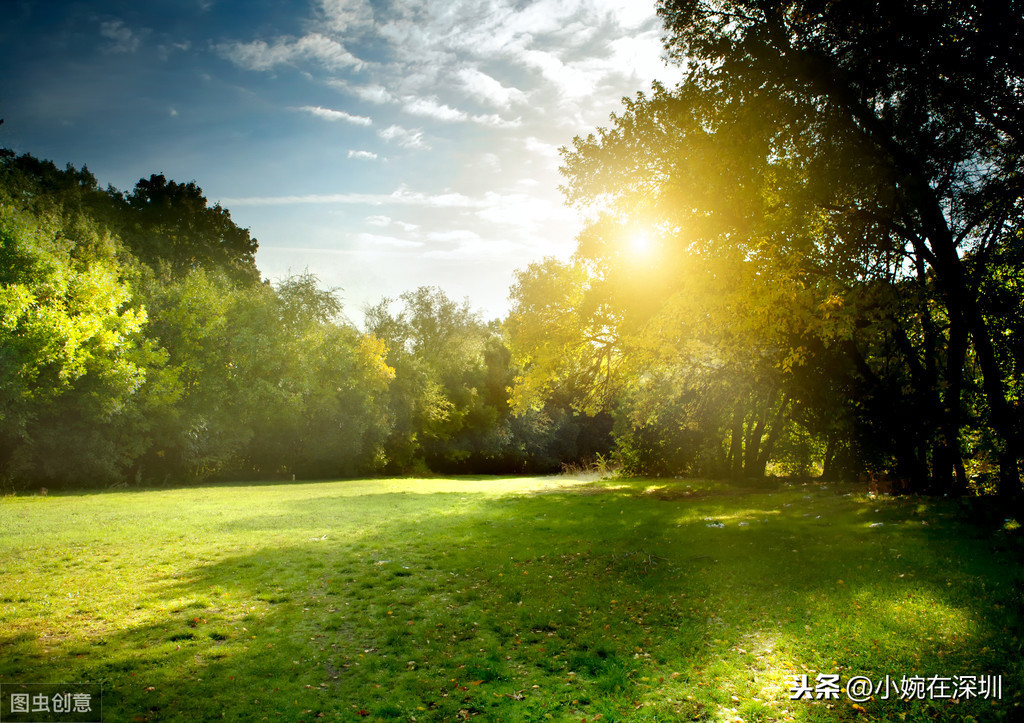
(507, 600)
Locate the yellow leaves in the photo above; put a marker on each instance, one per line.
(372, 353)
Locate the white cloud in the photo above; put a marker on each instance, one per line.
(385, 221)
(569, 79)
(538, 147)
(316, 47)
(485, 88)
(257, 55)
(403, 137)
(523, 210)
(496, 121)
(401, 196)
(371, 93)
(165, 50)
(343, 15)
(363, 155)
(630, 13)
(336, 115)
(431, 108)
(327, 51)
(121, 37)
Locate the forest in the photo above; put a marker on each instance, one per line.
(799, 261)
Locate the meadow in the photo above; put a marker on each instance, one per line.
(510, 599)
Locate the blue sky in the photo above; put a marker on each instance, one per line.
(380, 145)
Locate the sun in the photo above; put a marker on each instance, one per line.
(640, 243)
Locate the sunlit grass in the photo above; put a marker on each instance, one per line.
(507, 599)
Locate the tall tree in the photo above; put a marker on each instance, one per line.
(933, 90)
(172, 224)
(844, 155)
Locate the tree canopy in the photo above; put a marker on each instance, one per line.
(827, 197)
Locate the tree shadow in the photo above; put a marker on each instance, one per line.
(632, 602)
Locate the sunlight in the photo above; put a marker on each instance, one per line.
(640, 243)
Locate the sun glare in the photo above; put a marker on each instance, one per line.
(640, 243)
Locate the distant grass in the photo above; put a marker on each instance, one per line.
(508, 599)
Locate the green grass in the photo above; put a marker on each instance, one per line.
(507, 599)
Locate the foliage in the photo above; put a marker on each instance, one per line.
(449, 403)
(160, 358)
(823, 204)
(168, 223)
(74, 368)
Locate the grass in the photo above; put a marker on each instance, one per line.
(507, 599)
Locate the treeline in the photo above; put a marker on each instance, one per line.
(806, 258)
(138, 343)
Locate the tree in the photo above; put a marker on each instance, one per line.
(933, 91)
(170, 223)
(436, 346)
(846, 157)
(177, 365)
(272, 383)
(76, 373)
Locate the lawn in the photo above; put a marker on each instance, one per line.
(509, 599)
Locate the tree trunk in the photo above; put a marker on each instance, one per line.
(1009, 487)
(755, 433)
(828, 465)
(736, 445)
(773, 435)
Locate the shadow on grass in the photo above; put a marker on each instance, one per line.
(626, 604)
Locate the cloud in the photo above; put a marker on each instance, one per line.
(315, 47)
(401, 196)
(568, 78)
(485, 88)
(343, 15)
(523, 210)
(431, 108)
(363, 155)
(538, 147)
(377, 94)
(121, 37)
(336, 115)
(385, 221)
(165, 50)
(403, 137)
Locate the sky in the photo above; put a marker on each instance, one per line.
(380, 145)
